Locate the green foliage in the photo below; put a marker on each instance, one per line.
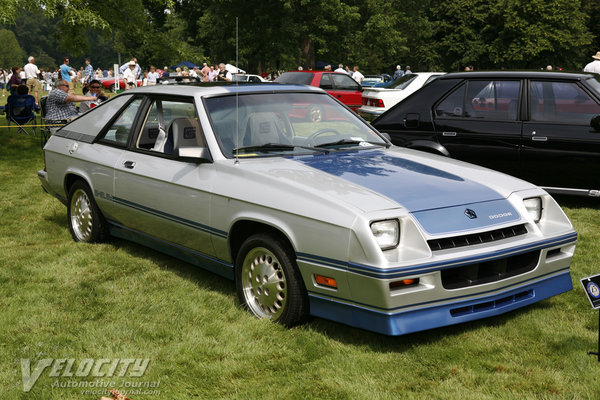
(510, 33)
(12, 54)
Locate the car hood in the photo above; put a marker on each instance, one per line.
(374, 180)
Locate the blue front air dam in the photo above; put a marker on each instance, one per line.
(431, 316)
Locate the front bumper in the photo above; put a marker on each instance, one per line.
(366, 299)
(435, 316)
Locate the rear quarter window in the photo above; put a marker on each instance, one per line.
(298, 78)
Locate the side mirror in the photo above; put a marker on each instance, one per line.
(195, 154)
(412, 120)
(595, 123)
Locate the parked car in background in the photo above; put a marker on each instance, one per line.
(319, 218)
(339, 85)
(372, 80)
(109, 83)
(377, 100)
(541, 126)
(248, 78)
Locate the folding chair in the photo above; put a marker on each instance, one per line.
(20, 111)
(45, 131)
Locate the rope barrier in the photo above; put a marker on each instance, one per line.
(31, 126)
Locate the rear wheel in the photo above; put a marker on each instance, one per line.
(86, 222)
(268, 282)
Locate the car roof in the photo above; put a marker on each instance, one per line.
(207, 89)
(518, 74)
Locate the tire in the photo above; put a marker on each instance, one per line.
(86, 222)
(268, 282)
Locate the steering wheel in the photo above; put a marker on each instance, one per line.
(312, 138)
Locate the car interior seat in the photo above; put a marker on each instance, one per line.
(262, 128)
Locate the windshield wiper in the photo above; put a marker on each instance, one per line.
(351, 142)
(267, 147)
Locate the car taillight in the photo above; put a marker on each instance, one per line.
(378, 103)
(365, 101)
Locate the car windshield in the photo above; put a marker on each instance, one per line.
(300, 78)
(267, 124)
(403, 82)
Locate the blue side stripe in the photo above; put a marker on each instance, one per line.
(171, 217)
(376, 272)
(427, 304)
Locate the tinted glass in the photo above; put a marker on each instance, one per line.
(118, 132)
(344, 82)
(492, 100)
(561, 102)
(288, 119)
(403, 82)
(452, 105)
(93, 121)
(300, 78)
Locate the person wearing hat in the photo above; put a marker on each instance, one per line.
(594, 66)
(129, 76)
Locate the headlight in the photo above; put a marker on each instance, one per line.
(387, 233)
(534, 207)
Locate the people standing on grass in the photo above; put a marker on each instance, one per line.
(3, 80)
(31, 75)
(357, 76)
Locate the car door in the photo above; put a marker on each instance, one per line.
(161, 195)
(343, 88)
(560, 147)
(478, 122)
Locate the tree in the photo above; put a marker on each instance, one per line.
(11, 54)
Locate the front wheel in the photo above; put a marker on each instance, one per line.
(86, 222)
(268, 282)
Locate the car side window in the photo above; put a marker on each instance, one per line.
(493, 100)
(326, 82)
(170, 125)
(453, 104)
(561, 102)
(344, 82)
(118, 132)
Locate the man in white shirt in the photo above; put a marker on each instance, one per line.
(129, 76)
(223, 74)
(340, 68)
(594, 66)
(357, 76)
(31, 74)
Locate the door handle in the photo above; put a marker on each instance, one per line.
(129, 164)
(539, 138)
(448, 133)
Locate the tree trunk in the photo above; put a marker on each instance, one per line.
(308, 53)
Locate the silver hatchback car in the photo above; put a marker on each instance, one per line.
(322, 218)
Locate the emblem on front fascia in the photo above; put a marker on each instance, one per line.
(470, 213)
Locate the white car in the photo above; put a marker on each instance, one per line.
(248, 78)
(376, 100)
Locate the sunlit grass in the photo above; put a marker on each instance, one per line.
(61, 299)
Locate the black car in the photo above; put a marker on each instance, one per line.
(543, 127)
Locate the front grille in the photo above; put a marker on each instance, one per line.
(489, 271)
(476, 238)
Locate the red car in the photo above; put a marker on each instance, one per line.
(339, 85)
(108, 83)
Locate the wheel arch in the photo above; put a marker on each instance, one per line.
(244, 228)
(71, 177)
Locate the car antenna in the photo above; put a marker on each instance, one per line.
(237, 115)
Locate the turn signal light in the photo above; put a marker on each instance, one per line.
(404, 283)
(326, 281)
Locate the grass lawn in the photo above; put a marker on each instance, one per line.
(65, 300)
